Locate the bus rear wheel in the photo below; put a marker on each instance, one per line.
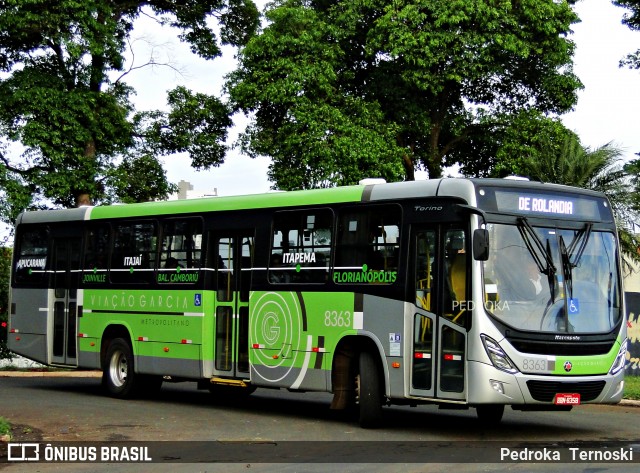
(369, 394)
(118, 375)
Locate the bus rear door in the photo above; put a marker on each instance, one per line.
(63, 316)
(440, 319)
(234, 266)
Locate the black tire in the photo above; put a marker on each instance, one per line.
(369, 391)
(490, 414)
(118, 375)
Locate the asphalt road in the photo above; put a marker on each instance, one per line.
(72, 409)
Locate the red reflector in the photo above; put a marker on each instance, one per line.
(255, 345)
(448, 357)
(417, 355)
(316, 349)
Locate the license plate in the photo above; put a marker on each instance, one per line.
(567, 399)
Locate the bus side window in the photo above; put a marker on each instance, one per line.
(368, 240)
(134, 252)
(96, 254)
(301, 246)
(31, 258)
(181, 249)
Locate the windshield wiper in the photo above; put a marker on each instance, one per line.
(581, 237)
(528, 233)
(567, 273)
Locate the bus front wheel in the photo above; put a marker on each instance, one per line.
(118, 375)
(369, 391)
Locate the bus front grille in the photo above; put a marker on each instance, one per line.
(545, 391)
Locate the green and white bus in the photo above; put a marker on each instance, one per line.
(462, 292)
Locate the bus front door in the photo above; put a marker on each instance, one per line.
(63, 316)
(440, 318)
(233, 278)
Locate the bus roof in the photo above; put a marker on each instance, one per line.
(251, 201)
(447, 187)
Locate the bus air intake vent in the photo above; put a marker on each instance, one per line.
(545, 391)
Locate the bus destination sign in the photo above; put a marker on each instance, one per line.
(543, 204)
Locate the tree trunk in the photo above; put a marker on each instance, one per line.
(409, 170)
(434, 160)
(83, 196)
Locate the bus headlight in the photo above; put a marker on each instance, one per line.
(618, 363)
(497, 356)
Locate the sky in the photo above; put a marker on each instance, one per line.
(607, 106)
(604, 113)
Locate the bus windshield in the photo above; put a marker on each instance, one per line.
(552, 279)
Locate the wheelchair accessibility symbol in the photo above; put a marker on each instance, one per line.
(574, 306)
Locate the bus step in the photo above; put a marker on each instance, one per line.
(229, 382)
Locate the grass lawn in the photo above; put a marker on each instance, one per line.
(632, 387)
(5, 429)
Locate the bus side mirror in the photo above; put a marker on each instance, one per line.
(481, 244)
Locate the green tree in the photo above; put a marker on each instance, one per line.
(343, 89)
(633, 169)
(64, 100)
(5, 265)
(601, 169)
(509, 143)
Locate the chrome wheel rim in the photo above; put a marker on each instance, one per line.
(118, 369)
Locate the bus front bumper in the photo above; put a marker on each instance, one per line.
(488, 385)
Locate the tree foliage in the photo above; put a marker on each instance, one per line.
(632, 20)
(64, 99)
(345, 89)
(632, 168)
(5, 265)
(509, 143)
